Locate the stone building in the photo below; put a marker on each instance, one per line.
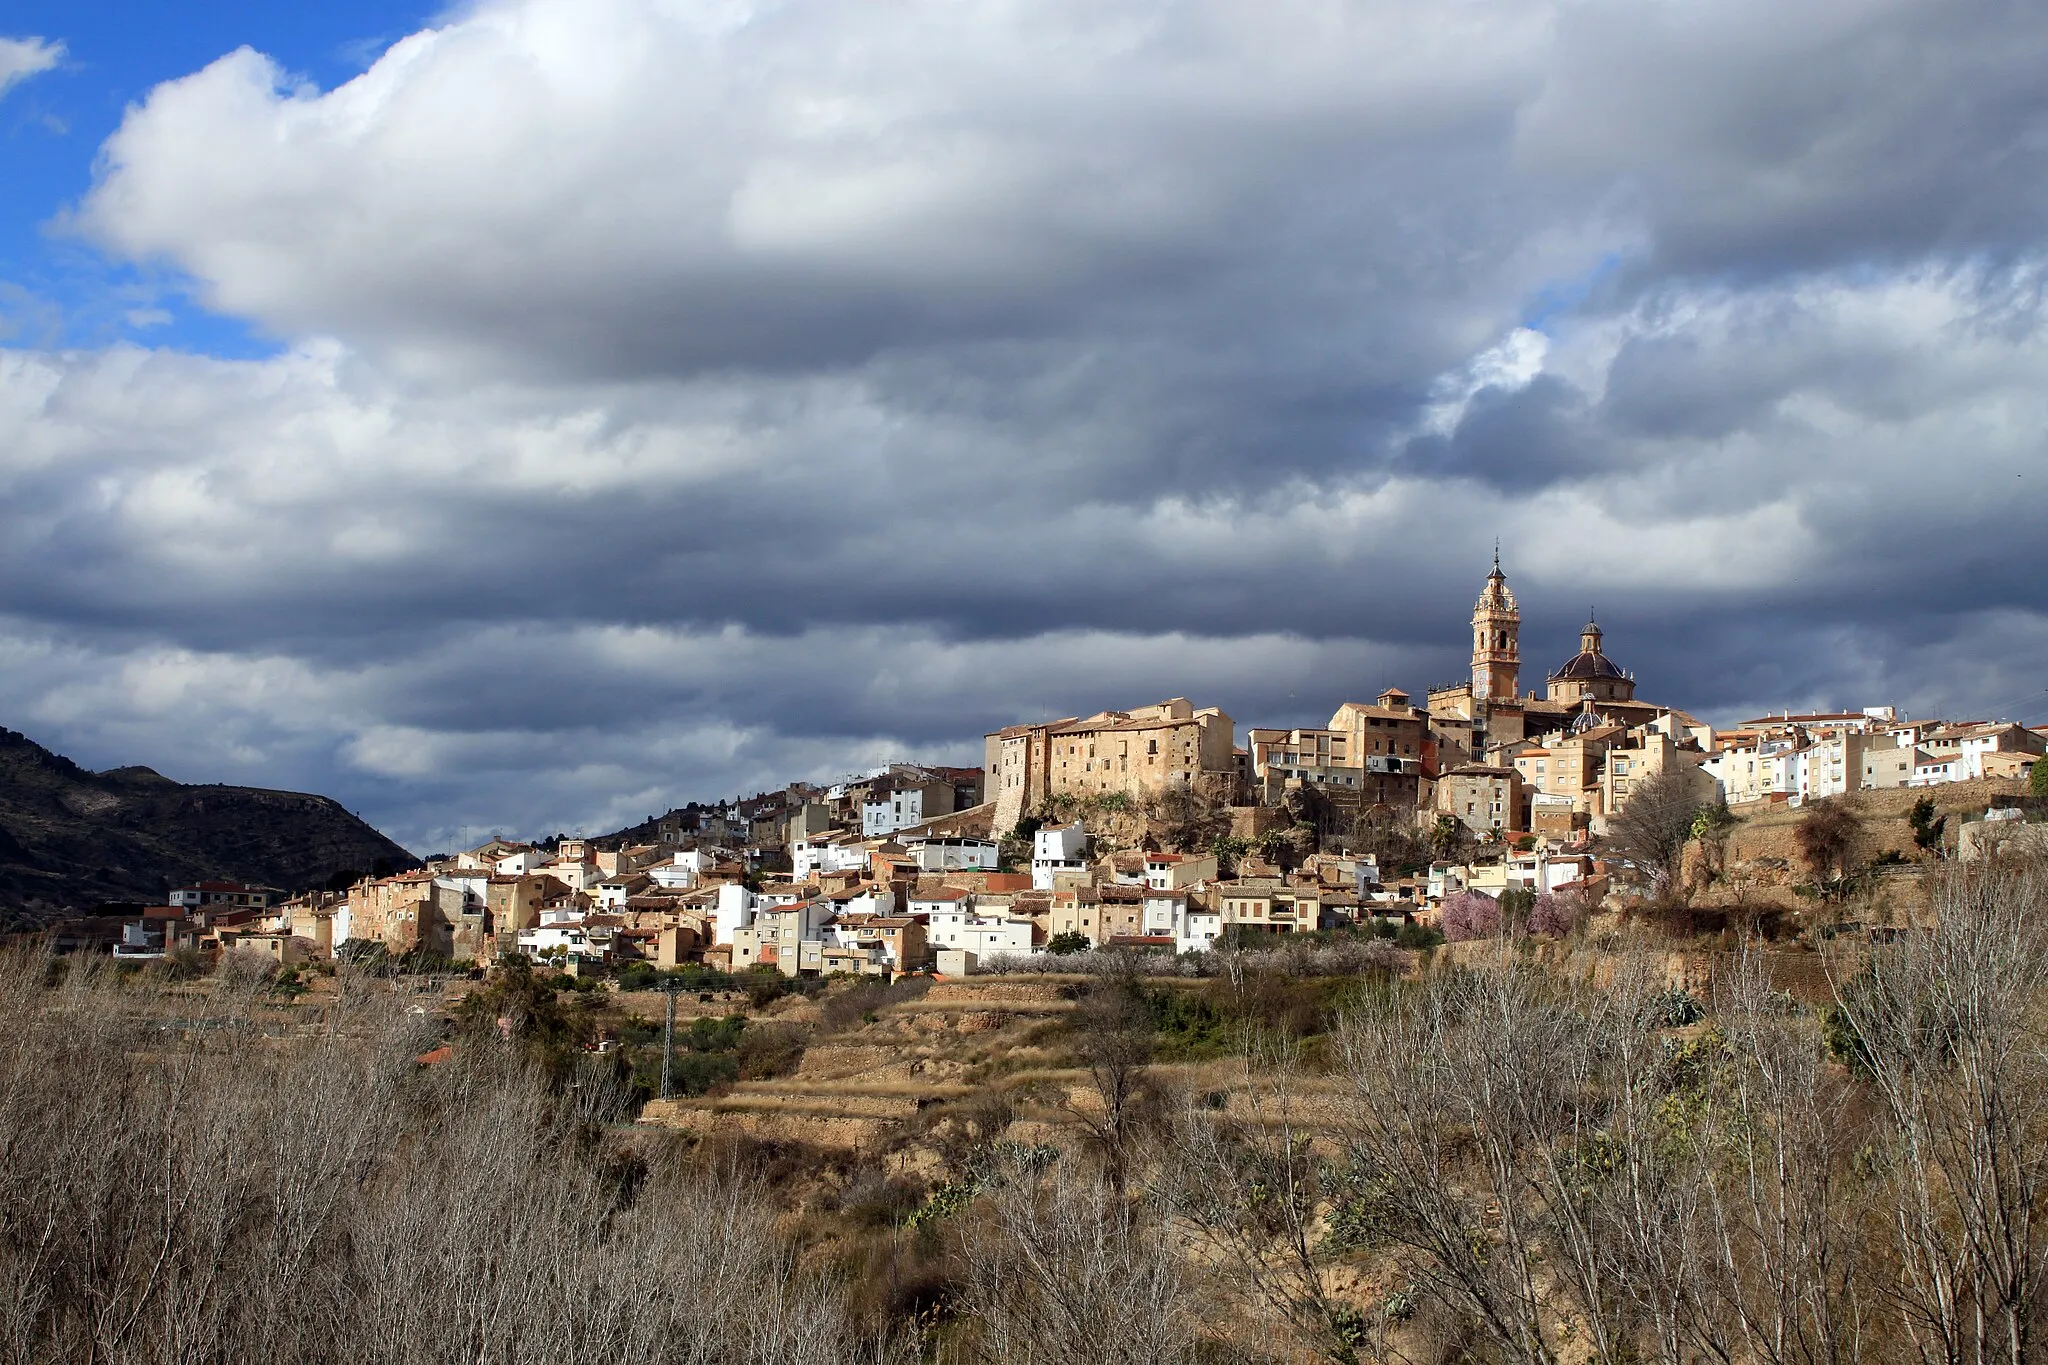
(1486, 800)
(1482, 719)
(1170, 746)
(1370, 754)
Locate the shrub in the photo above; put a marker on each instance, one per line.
(763, 985)
(860, 1002)
(769, 1050)
(1417, 936)
(639, 976)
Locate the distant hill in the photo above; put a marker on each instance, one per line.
(71, 839)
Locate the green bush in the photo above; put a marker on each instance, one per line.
(1190, 1026)
(1418, 936)
(707, 1054)
(764, 986)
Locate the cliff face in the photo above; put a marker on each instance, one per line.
(71, 839)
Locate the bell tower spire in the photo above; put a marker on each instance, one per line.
(1496, 638)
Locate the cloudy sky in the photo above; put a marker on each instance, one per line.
(535, 414)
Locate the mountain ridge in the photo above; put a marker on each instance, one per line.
(72, 838)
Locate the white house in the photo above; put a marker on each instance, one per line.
(1063, 848)
(614, 892)
(735, 912)
(1931, 770)
(472, 885)
(1165, 912)
(672, 876)
(952, 921)
(953, 852)
(866, 899)
(1753, 772)
(1200, 931)
(687, 868)
(987, 938)
(570, 935)
(946, 910)
(902, 800)
(826, 854)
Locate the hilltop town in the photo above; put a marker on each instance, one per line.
(1150, 828)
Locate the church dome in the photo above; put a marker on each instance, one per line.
(1587, 665)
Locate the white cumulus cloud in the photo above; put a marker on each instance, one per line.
(677, 396)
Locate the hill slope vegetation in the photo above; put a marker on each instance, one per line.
(71, 839)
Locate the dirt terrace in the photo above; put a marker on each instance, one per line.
(964, 1041)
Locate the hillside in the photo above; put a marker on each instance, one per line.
(71, 839)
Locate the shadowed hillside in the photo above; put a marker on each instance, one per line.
(71, 839)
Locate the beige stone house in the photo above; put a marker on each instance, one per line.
(1170, 746)
(1485, 799)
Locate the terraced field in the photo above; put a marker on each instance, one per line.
(962, 1041)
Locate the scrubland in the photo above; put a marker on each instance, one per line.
(1504, 1153)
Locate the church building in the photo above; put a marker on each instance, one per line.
(1489, 713)
(1590, 675)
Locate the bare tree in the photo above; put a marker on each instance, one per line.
(1827, 837)
(1473, 1098)
(1948, 1029)
(1114, 1040)
(1254, 1188)
(1654, 825)
(1062, 1269)
(191, 1178)
(1776, 1257)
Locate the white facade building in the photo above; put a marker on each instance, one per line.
(905, 802)
(472, 886)
(1200, 932)
(1057, 850)
(952, 853)
(832, 853)
(735, 912)
(687, 868)
(987, 938)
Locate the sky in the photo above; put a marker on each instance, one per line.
(535, 414)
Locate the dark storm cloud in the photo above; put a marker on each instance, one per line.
(681, 400)
(1516, 440)
(1757, 139)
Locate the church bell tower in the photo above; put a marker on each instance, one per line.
(1496, 639)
